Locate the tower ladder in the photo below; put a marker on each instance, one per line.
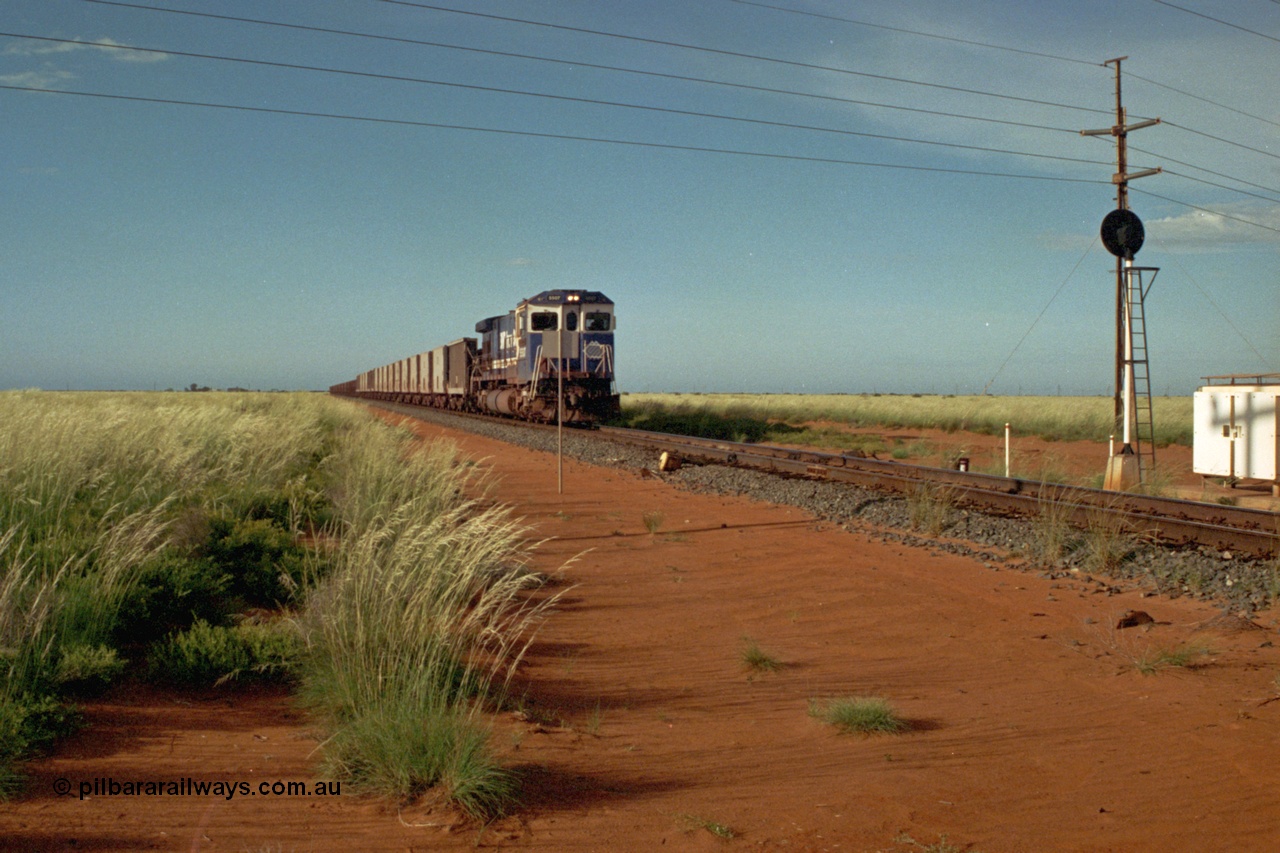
(1143, 419)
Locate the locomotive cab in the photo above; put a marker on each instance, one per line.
(571, 315)
(557, 335)
(569, 330)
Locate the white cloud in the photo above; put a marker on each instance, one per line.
(113, 48)
(36, 79)
(116, 50)
(1224, 226)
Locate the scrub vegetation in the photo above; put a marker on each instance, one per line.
(789, 418)
(197, 539)
(859, 714)
(1153, 660)
(757, 659)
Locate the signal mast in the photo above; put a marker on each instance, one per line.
(1122, 234)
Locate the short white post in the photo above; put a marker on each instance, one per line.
(1006, 450)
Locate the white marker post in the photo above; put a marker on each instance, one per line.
(1006, 450)
(561, 341)
(554, 342)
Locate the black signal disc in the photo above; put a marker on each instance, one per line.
(1122, 233)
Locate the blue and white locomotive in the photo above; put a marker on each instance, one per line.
(559, 340)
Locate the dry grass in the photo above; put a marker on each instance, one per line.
(1052, 418)
(653, 521)
(1108, 542)
(1052, 534)
(931, 508)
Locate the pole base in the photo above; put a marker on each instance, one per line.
(1122, 473)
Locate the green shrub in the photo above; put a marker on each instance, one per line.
(28, 725)
(719, 830)
(265, 564)
(84, 670)
(208, 654)
(93, 486)
(173, 592)
(700, 424)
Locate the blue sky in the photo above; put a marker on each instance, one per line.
(152, 245)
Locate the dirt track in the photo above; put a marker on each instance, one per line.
(1031, 729)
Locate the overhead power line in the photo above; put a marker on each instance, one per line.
(738, 55)
(906, 31)
(1167, 158)
(1221, 186)
(596, 66)
(572, 99)
(1019, 50)
(1131, 75)
(559, 136)
(302, 27)
(1262, 359)
(1223, 141)
(1216, 20)
(1038, 318)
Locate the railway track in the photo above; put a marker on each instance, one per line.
(1171, 521)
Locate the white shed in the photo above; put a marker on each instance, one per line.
(1237, 428)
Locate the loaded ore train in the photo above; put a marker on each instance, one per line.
(517, 367)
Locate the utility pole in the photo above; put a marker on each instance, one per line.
(1124, 470)
(1121, 179)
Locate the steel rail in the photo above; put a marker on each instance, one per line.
(1169, 520)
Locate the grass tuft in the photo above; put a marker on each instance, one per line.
(1154, 659)
(756, 659)
(719, 830)
(417, 626)
(401, 751)
(942, 845)
(931, 509)
(866, 715)
(1052, 536)
(1107, 542)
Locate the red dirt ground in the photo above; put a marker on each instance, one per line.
(1030, 727)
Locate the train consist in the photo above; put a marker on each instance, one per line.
(515, 367)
